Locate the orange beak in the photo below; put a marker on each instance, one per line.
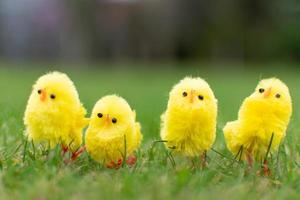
(192, 96)
(267, 93)
(43, 95)
(107, 120)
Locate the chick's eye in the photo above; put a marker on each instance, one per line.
(114, 120)
(261, 90)
(52, 96)
(39, 91)
(100, 115)
(184, 94)
(278, 96)
(201, 97)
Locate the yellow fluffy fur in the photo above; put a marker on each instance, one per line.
(265, 112)
(189, 123)
(105, 138)
(54, 114)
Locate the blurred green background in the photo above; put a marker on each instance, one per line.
(152, 30)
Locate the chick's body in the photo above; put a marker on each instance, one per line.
(54, 114)
(189, 123)
(112, 130)
(264, 113)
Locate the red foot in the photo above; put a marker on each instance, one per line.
(131, 160)
(120, 162)
(64, 150)
(113, 165)
(266, 169)
(76, 154)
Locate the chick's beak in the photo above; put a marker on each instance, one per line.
(192, 95)
(43, 95)
(267, 92)
(107, 119)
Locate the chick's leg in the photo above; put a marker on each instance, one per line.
(266, 169)
(203, 159)
(64, 150)
(77, 153)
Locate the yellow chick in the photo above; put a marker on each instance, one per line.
(264, 113)
(189, 123)
(54, 114)
(113, 133)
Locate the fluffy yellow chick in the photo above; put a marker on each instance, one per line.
(54, 114)
(189, 123)
(265, 112)
(113, 132)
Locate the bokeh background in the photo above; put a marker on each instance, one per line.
(150, 30)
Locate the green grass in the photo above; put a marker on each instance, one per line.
(43, 175)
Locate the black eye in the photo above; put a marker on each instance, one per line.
(278, 96)
(261, 90)
(39, 91)
(100, 115)
(201, 97)
(184, 94)
(52, 96)
(114, 120)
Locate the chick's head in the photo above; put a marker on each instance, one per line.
(192, 93)
(53, 91)
(274, 93)
(111, 116)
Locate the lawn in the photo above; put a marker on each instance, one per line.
(29, 174)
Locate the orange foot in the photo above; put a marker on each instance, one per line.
(131, 160)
